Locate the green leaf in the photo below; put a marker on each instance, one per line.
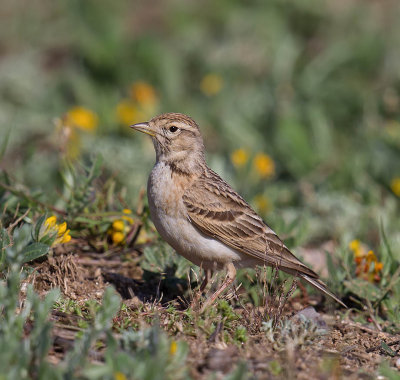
(4, 239)
(394, 263)
(34, 251)
(363, 289)
(387, 349)
(90, 222)
(4, 243)
(38, 226)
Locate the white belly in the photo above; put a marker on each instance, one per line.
(169, 216)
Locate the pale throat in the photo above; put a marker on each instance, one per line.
(186, 161)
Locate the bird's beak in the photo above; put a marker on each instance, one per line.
(144, 127)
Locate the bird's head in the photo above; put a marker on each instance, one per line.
(176, 138)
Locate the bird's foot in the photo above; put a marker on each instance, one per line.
(230, 277)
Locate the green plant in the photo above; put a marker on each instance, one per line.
(292, 334)
(25, 336)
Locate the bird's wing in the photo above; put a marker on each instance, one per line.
(218, 211)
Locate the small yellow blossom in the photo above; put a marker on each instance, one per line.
(117, 237)
(129, 113)
(118, 225)
(62, 228)
(354, 245)
(63, 238)
(173, 347)
(50, 222)
(126, 217)
(82, 118)
(371, 256)
(378, 266)
(395, 186)
(50, 227)
(211, 84)
(239, 157)
(364, 260)
(261, 202)
(264, 165)
(144, 93)
(121, 227)
(119, 376)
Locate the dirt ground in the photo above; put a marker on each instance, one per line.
(347, 349)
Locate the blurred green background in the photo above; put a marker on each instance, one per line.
(298, 101)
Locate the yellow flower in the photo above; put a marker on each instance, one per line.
(354, 245)
(395, 186)
(117, 237)
(118, 225)
(119, 376)
(143, 93)
(264, 165)
(50, 222)
(126, 217)
(261, 202)
(129, 113)
(371, 256)
(239, 157)
(211, 84)
(82, 118)
(378, 267)
(363, 260)
(173, 348)
(64, 238)
(62, 228)
(52, 228)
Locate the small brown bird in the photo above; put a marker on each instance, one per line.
(201, 216)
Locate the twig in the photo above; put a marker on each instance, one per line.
(374, 321)
(361, 327)
(89, 262)
(67, 327)
(31, 199)
(213, 337)
(13, 225)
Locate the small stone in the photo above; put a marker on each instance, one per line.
(311, 314)
(398, 363)
(221, 359)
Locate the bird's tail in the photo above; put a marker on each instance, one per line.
(318, 284)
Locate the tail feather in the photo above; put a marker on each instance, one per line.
(318, 284)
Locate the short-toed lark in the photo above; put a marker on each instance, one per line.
(201, 216)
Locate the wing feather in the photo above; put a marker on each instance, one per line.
(218, 211)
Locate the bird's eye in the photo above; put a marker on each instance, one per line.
(173, 128)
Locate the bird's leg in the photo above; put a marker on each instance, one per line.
(230, 277)
(207, 275)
